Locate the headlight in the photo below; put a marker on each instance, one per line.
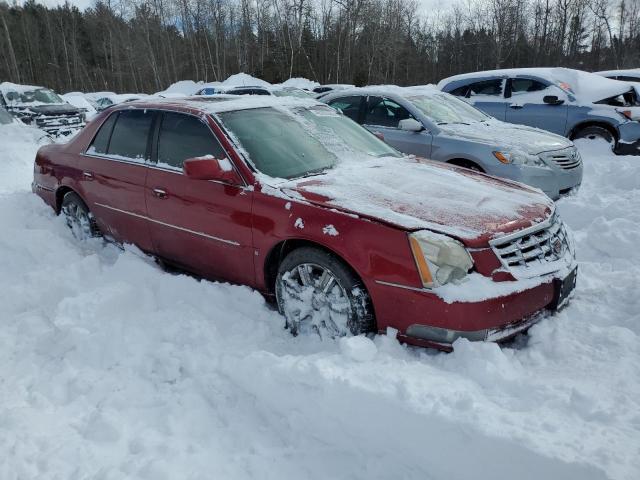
(519, 158)
(440, 259)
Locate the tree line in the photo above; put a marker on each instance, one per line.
(145, 45)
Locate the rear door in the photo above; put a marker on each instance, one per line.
(526, 106)
(383, 115)
(488, 96)
(113, 176)
(203, 226)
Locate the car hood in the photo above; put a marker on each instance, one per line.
(507, 136)
(416, 194)
(50, 109)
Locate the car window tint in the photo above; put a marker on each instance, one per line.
(101, 140)
(184, 136)
(460, 91)
(525, 85)
(628, 79)
(385, 112)
(129, 137)
(487, 87)
(350, 106)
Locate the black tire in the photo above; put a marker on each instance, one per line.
(78, 216)
(466, 164)
(595, 132)
(328, 307)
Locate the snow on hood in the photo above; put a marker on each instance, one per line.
(506, 135)
(300, 82)
(423, 194)
(244, 80)
(584, 86)
(185, 87)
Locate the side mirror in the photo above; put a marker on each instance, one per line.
(552, 100)
(210, 168)
(410, 125)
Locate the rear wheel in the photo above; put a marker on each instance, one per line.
(79, 219)
(595, 132)
(317, 293)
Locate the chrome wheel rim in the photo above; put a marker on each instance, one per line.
(78, 221)
(313, 300)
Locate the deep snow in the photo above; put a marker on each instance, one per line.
(111, 368)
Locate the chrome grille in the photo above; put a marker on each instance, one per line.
(567, 159)
(535, 250)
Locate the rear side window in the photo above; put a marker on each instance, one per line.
(350, 106)
(486, 87)
(101, 140)
(130, 134)
(184, 136)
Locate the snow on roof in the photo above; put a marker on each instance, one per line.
(224, 103)
(633, 72)
(243, 80)
(391, 89)
(300, 82)
(185, 87)
(14, 87)
(585, 86)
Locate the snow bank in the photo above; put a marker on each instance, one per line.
(112, 368)
(184, 87)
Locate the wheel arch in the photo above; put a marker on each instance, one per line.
(60, 193)
(281, 249)
(465, 163)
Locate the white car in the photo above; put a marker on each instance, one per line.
(631, 76)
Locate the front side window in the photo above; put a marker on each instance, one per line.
(486, 87)
(291, 143)
(526, 85)
(184, 136)
(130, 134)
(350, 106)
(385, 113)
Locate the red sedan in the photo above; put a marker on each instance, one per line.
(299, 202)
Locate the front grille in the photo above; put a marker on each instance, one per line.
(51, 121)
(566, 159)
(535, 250)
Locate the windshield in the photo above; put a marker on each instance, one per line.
(291, 92)
(301, 141)
(5, 117)
(442, 108)
(40, 95)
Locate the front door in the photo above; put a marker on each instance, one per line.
(383, 115)
(525, 105)
(203, 226)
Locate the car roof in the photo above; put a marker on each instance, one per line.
(218, 103)
(585, 86)
(385, 90)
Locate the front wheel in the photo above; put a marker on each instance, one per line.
(79, 219)
(319, 294)
(595, 132)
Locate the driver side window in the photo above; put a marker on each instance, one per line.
(383, 112)
(526, 85)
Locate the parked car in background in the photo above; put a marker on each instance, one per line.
(432, 124)
(297, 201)
(568, 102)
(323, 89)
(104, 100)
(41, 108)
(631, 76)
(275, 90)
(78, 100)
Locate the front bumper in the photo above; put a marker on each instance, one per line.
(629, 139)
(553, 180)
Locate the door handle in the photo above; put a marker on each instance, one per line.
(87, 175)
(158, 192)
(515, 105)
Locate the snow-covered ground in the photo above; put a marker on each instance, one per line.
(111, 368)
